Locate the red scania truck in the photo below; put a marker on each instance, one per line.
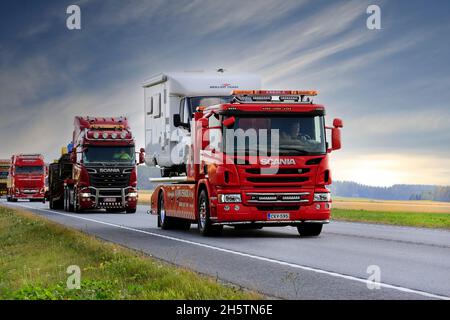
(26, 179)
(261, 160)
(103, 159)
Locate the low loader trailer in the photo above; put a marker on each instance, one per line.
(261, 160)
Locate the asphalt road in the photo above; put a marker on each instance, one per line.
(414, 263)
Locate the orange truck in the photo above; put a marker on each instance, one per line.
(4, 172)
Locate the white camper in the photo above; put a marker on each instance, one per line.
(177, 95)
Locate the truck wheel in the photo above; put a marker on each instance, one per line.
(204, 222)
(8, 199)
(164, 221)
(309, 229)
(51, 205)
(131, 210)
(165, 172)
(71, 205)
(65, 201)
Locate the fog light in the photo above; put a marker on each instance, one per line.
(226, 208)
(317, 206)
(236, 208)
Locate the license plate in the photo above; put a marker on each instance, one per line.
(278, 216)
(109, 200)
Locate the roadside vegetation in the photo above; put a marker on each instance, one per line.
(35, 254)
(413, 219)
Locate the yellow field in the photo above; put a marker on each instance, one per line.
(144, 197)
(392, 205)
(364, 204)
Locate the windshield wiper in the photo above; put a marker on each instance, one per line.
(300, 151)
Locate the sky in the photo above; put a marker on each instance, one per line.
(390, 86)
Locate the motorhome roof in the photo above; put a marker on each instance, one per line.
(204, 83)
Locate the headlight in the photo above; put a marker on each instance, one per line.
(133, 194)
(85, 195)
(226, 198)
(322, 197)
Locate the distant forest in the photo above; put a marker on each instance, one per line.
(395, 192)
(347, 189)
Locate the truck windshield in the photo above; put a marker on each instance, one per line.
(29, 169)
(194, 102)
(296, 135)
(124, 154)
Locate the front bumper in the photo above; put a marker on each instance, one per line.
(107, 198)
(285, 209)
(240, 213)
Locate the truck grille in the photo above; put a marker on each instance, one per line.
(109, 180)
(296, 176)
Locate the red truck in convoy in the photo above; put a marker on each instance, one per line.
(103, 173)
(26, 178)
(261, 160)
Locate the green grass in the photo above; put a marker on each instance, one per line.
(35, 253)
(413, 219)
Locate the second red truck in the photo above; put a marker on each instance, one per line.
(99, 169)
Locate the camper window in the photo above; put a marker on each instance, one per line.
(150, 106)
(157, 110)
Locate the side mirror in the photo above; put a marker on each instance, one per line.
(337, 123)
(142, 156)
(203, 123)
(335, 139)
(176, 120)
(229, 122)
(73, 157)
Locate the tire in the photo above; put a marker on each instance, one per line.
(164, 222)
(205, 226)
(131, 211)
(8, 199)
(309, 229)
(71, 206)
(51, 203)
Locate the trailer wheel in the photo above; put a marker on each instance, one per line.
(164, 221)
(309, 229)
(204, 222)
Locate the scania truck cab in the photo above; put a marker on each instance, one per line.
(259, 161)
(26, 179)
(104, 174)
